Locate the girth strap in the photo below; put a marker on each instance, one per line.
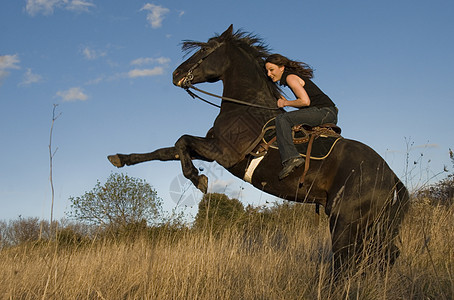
(308, 158)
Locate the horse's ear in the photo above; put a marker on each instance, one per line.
(228, 32)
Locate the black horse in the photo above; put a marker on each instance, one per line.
(364, 199)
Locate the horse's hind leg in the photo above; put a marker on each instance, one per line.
(346, 245)
(388, 232)
(355, 244)
(164, 154)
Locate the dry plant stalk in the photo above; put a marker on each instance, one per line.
(291, 261)
(51, 157)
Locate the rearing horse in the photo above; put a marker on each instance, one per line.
(364, 199)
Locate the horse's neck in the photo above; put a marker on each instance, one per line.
(238, 126)
(244, 83)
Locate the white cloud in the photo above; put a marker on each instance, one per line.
(46, 7)
(88, 53)
(426, 146)
(78, 5)
(163, 60)
(30, 77)
(96, 80)
(91, 54)
(145, 72)
(150, 60)
(155, 14)
(8, 62)
(72, 94)
(221, 186)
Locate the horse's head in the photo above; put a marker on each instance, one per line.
(207, 64)
(236, 58)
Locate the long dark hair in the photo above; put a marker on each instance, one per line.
(291, 65)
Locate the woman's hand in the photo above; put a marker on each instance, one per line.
(282, 102)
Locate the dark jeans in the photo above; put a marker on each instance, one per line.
(311, 116)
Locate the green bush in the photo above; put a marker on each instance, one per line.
(217, 212)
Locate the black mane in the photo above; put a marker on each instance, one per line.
(250, 43)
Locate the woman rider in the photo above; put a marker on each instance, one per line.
(313, 106)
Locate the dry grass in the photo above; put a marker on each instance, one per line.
(289, 262)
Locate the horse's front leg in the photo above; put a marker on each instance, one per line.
(190, 147)
(164, 154)
(186, 149)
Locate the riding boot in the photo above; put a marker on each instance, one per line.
(291, 165)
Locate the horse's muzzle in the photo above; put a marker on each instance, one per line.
(184, 81)
(176, 78)
(180, 82)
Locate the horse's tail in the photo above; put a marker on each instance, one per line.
(399, 204)
(397, 208)
(403, 196)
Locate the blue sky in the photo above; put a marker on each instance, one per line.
(388, 65)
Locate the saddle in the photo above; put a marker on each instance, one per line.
(320, 139)
(311, 142)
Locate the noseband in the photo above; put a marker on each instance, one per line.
(187, 84)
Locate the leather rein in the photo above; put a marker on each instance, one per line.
(187, 84)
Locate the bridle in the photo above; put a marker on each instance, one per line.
(189, 77)
(187, 84)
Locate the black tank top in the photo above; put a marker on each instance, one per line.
(317, 97)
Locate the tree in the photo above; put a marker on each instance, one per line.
(3, 233)
(120, 202)
(442, 192)
(23, 230)
(218, 211)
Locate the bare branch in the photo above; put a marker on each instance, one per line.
(51, 156)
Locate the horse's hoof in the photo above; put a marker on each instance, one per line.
(203, 184)
(115, 160)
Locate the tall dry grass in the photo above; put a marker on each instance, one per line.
(289, 261)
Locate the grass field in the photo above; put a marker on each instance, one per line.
(288, 261)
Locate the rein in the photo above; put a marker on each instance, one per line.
(189, 85)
